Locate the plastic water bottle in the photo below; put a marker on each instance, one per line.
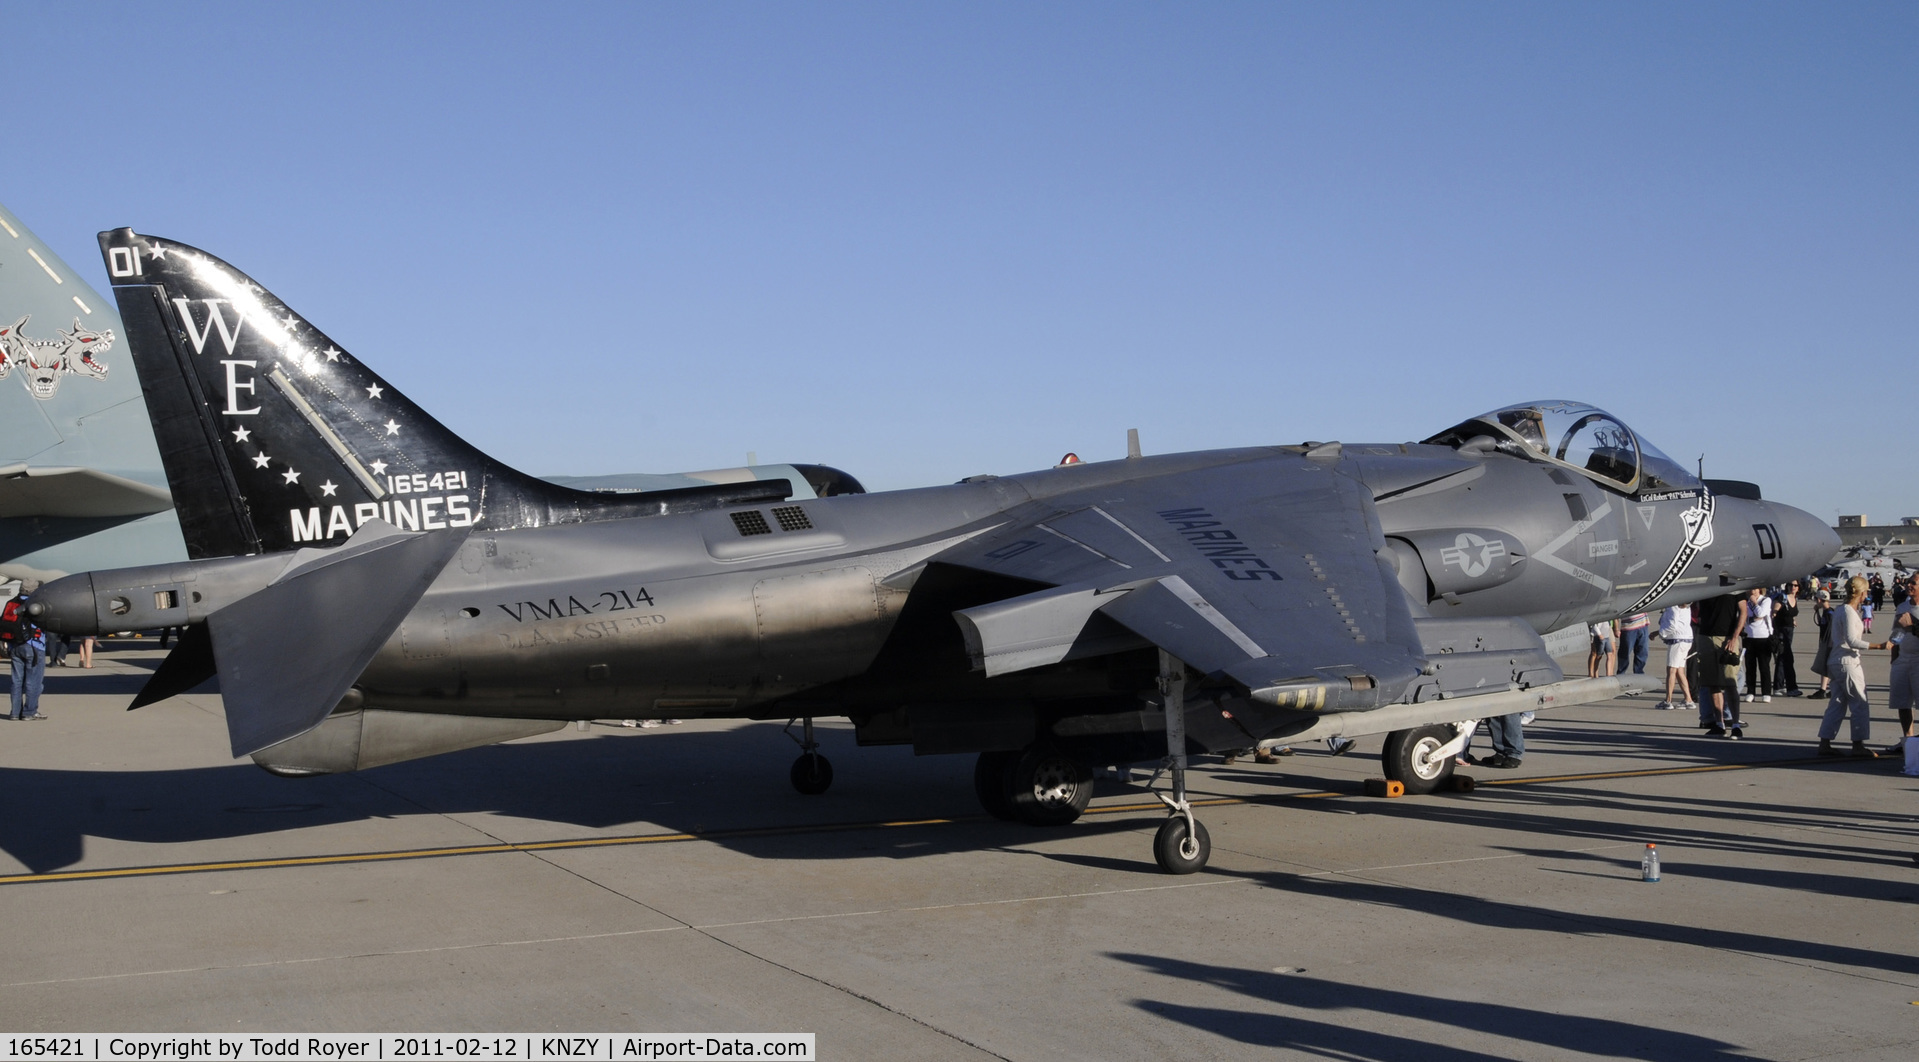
(1649, 864)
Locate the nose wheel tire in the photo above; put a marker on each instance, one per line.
(1178, 851)
(1409, 757)
(812, 774)
(1048, 788)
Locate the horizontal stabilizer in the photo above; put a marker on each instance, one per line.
(289, 653)
(190, 664)
(76, 492)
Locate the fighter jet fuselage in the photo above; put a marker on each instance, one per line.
(370, 588)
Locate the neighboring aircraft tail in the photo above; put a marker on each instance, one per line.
(274, 437)
(80, 480)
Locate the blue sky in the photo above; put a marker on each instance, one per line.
(923, 241)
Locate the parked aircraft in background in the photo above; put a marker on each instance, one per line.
(1043, 621)
(80, 479)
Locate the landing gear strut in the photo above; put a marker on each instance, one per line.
(1181, 845)
(811, 773)
(1421, 759)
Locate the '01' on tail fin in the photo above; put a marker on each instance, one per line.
(273, 437)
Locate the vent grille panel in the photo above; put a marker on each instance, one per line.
(751, 522)
(792, 518)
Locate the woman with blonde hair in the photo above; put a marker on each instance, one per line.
(1848, 676)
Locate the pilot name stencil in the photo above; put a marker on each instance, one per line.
(1233, 557)
(593, 630)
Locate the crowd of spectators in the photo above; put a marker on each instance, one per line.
(1709, 645)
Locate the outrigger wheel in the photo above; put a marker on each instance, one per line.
(1181, 845)
(811, 773)
(1179, 850)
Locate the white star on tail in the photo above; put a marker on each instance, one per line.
(292, 476)
(374, 390)
(327, 489)
(260, 460)
(379, 468)
(241, 435)
(392, 428)
(333, 353)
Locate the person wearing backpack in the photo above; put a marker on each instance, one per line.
(27, 653)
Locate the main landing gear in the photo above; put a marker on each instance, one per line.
(812, 774)
(1043, 786)
(1038, 785)
(1422, 758)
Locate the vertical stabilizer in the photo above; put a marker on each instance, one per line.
(275, 438)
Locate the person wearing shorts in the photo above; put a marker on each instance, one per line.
(1599, 661)
(1675, 629)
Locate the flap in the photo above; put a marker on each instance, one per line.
(1043, 628)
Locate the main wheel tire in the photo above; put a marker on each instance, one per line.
(1048, 788)
(991, 783)
(812, 774)
(1408, 757)
(1174, 853)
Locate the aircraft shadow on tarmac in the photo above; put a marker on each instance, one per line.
(1352, 1035)
(1689, 823)
(1505, 914)
(636, 782)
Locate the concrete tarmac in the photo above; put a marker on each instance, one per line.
(670, 880)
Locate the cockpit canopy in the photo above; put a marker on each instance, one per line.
(1584, 438)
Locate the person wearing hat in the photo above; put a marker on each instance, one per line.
(26, 653)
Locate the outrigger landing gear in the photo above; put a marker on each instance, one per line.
(1421, 759)
(1181, 845)
(811, 773)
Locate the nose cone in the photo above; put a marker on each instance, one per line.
(1806, 543)
(65, 606)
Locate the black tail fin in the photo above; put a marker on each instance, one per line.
(273, 437)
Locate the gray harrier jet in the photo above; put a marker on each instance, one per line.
(371, 589)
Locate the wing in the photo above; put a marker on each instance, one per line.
(1267, 573)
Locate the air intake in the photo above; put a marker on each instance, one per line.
(791, 518)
